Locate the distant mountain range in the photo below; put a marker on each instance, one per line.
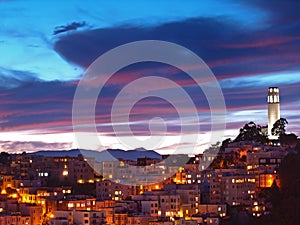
(105, 155)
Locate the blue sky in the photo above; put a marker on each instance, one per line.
(249, 45)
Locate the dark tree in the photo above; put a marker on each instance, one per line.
(225, 144)
(279, 127)
(251, 132)
(288, 139)
(297, 148)
(4, 158)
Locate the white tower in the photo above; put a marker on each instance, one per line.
(273, 109)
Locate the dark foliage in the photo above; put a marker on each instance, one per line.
(279, 127)
(251, 132)
(4, 158)
(288, 139)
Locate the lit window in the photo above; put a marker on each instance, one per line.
(65, 173)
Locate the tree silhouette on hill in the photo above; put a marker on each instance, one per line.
(279, 127)
(251, 132)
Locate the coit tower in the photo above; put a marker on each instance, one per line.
(273, 108)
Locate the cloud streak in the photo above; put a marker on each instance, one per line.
(31, 146)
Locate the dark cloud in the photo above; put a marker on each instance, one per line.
(227, 49)
(69, 27)
(84, 47)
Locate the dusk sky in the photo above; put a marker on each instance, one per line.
(46, 47)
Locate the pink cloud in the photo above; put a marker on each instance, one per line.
(261, 41)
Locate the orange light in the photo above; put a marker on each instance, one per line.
(65, 173)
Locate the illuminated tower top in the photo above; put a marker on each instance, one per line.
(273, 95)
